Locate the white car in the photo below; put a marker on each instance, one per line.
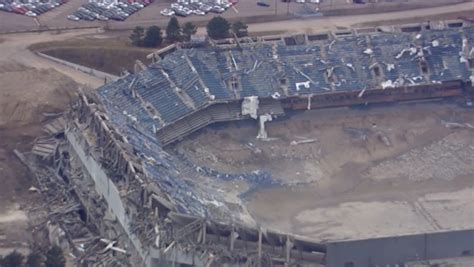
(217, 9)
(167, 12)
(205, 8)
(73, 18)
(176, 6)
(225, 4)
(199, 12)
(30, 14)
(187, 11)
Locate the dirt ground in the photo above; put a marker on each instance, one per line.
(30, 87)
(26, 93)
(389, 170)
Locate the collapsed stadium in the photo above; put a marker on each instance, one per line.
(118, 147)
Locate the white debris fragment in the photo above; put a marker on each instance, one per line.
(462, 59)
(418, 36)
(361, 93)
(372, 66)
(262, 134)
(435, 43)
(387, 84)
(412, 82)
(390, 67)
(455, 125)
(306, 141)
(276, 95)
(330, 71)
(350, 66)
(304, 84)
(464, 45)
(411, 50)
(471, 78)
(33, 189)
(368, 51)
(250, 106)
(384, 138)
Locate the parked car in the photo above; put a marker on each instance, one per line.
(167, 12)
(199, 12)
(73, 18)
(217, 9)
(205, 8)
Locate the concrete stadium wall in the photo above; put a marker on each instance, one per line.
(97, 73)
(106, 188)
(390, 251)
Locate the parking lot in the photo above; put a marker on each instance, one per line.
(30, 8)
(104, 10)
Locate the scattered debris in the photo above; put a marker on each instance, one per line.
(298, 142)
(384, 138)
(455, 125)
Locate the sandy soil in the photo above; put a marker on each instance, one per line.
(382, 171)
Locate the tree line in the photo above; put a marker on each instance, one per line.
(217, 28)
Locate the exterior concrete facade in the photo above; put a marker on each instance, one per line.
(398, 250)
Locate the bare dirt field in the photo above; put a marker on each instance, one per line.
(31, 86)
(26, 93)
(358, 173)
